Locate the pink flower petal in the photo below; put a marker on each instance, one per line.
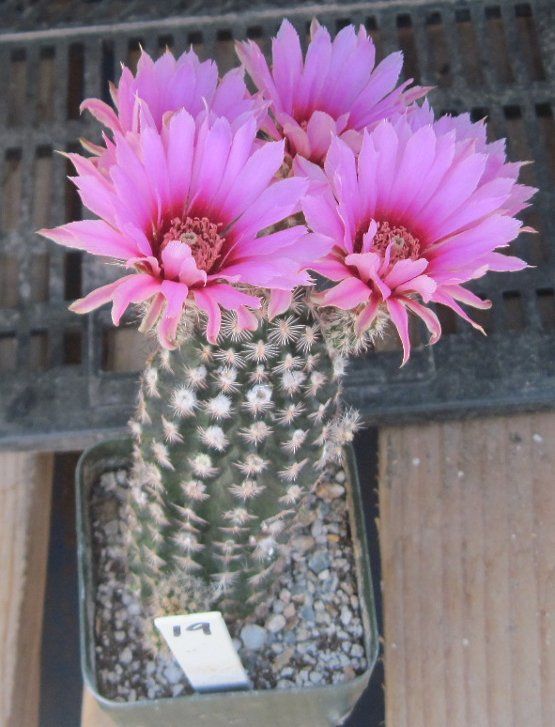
(211, 153)
(280, 301)
(94, 236)
(153, 313)
(278, 201)
(241, 148)
(206, 303)
(422, 284)
(179, 139)
(154, 159)
(366, 316)
(102, 112)
(247, 320)
(174, 254)
(331, 268)
(405, 270)
(498, 262)
(97, 297)
(175, 295)
(428, 316)
(321, 216)
(368, 265)
(466, 296)
(287, 64)
(258, 172)
(253, 60)
(314, 75)
(400, 319)
(231, 298)
(440, 296)
(347, 294)
(381, 82)
(320, 130)
(132, 289)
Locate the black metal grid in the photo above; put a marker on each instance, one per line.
(65, 379)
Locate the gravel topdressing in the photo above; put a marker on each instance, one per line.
(309, 634)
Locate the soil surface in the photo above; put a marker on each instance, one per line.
(310, 633)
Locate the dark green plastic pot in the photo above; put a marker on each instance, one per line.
(297, 707)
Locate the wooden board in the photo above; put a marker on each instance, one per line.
(92, 715)
(25, 489)
(467, 532)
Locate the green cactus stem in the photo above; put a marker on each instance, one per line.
(228, 440)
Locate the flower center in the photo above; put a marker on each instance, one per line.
(201, 235)
(404, 245)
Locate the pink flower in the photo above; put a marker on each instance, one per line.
(183, 210)
(168, 85)
(336, 91)
(418, 214)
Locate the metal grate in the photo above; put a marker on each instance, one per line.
(65, 379)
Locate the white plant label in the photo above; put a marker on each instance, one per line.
(202, 646)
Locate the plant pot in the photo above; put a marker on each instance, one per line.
(310, 707)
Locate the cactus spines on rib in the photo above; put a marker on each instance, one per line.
(228, 440)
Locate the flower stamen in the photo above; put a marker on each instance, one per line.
(403, 244)
(201, 235)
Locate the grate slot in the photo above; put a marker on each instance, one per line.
(496, 47)
(513, 310)
(75, 79)
(72, 347)
(530, 42)
(39, 277)
(17, 86)
(439, 63)
(124, 350)
(224, 50)
(8, 352)
(546, 306)
(9, 271)
(373, 29)
(73, 275)
(46, 85)
(11, 191)
(42, 187)
(407, 44)
(544, 113)
(165, 41)
(38, 351)
(468, 48)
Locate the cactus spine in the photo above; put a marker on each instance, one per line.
(228, 439)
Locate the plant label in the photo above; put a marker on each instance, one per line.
(202, 646)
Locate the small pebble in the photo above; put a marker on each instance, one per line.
(303, 543)
(346, 616)
(289, 611)
(275, 623)
(253, 637)
(173, 673)
(319, 562)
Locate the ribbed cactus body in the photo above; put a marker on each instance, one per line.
(229, 439)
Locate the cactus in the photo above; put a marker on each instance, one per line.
(228, 439)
